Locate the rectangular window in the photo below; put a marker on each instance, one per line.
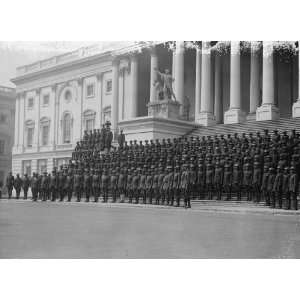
(89, 124)
(45, 135)
(27, 167)
(42, 166)
(46, 100)
(30, 103)
(29, 136)
(67, 129)
(2, 144)
(108, 88)
(90, 90)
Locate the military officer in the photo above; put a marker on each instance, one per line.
(44, 186)
(105, 181)
(285, 189)
(293, 188)
(96, 185)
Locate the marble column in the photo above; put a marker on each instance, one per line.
(235, 113)
(153, 74)
(296, 105)
(206, 116)
(198, 83)
(134, 86)
(254, 81)
(179, 73)
(218, 107)
(99, 77)
(115, 97)
(268, 110)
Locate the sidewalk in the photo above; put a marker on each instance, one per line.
(198, 205)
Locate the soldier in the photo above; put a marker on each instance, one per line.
(129, 185)
(293, 188)
(218, 180)
(237, 180)
(227, 182)
(247, 178)
(277, 189)
(122, 185)
(44, 186)
(160, 181)
(108, 136)
(256, 182)
(61, 185)
(87, 185)
(201, 179)
(121, 139)
(271, 179)
(155, 187)
(69, 185)
(53, 186)
(18, 185)
(135, 186)
(285, 189)
(77, 185)
(113, 185)
(105, 181)
(26, 184)
(149, 185)
(34, 187)
(209, 179)
(264, 185)
(10, 184)
(176, 186)
(96, 185)
(142, 185)
(184, 186)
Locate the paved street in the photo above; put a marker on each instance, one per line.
(87, 230)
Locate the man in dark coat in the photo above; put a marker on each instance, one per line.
(121, 139)
(26, 185)
(18, 185)
(10, 184)
(293, 188)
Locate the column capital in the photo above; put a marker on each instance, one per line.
(37, 91)
(54, 87)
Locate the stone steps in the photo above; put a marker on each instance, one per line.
(282, 124)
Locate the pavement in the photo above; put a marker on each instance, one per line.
(113, 230)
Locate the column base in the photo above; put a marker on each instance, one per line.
(206, 119)
(267, 112)
(251, 117)
(234, 115)
(296, 109)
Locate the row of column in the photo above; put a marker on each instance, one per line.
(207, 116)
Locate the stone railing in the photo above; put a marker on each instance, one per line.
(60, 59)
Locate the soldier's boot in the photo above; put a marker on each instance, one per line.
(280, 201)
(189, 203)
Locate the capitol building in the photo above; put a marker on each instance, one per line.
(213, 82)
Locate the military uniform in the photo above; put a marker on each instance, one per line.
(218, 180)
(26, 185)
(184, 186)
(18, 185)
(44, 186)
(105, 181)
(10, 184)
(96, 185)
(69, 185)
(34, 187)
(53, 186)
(77, 185)
(277, 189)
(293, 188)
(285, 189)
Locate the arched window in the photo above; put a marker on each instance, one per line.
(66, 128)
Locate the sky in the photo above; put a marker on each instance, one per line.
(15, 54)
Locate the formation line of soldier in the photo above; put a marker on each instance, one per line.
(253, 167)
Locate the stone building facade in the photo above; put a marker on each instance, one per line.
(58, 98)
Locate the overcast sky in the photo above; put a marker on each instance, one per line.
(15, 54)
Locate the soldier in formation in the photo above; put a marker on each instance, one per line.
(248, 167)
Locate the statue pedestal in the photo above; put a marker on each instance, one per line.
(296, 109)
(167, 109)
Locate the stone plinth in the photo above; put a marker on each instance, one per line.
(206, 119)
(296, 109)
(147, 128)
(167, 109)
(267, 112)
(234, 115)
